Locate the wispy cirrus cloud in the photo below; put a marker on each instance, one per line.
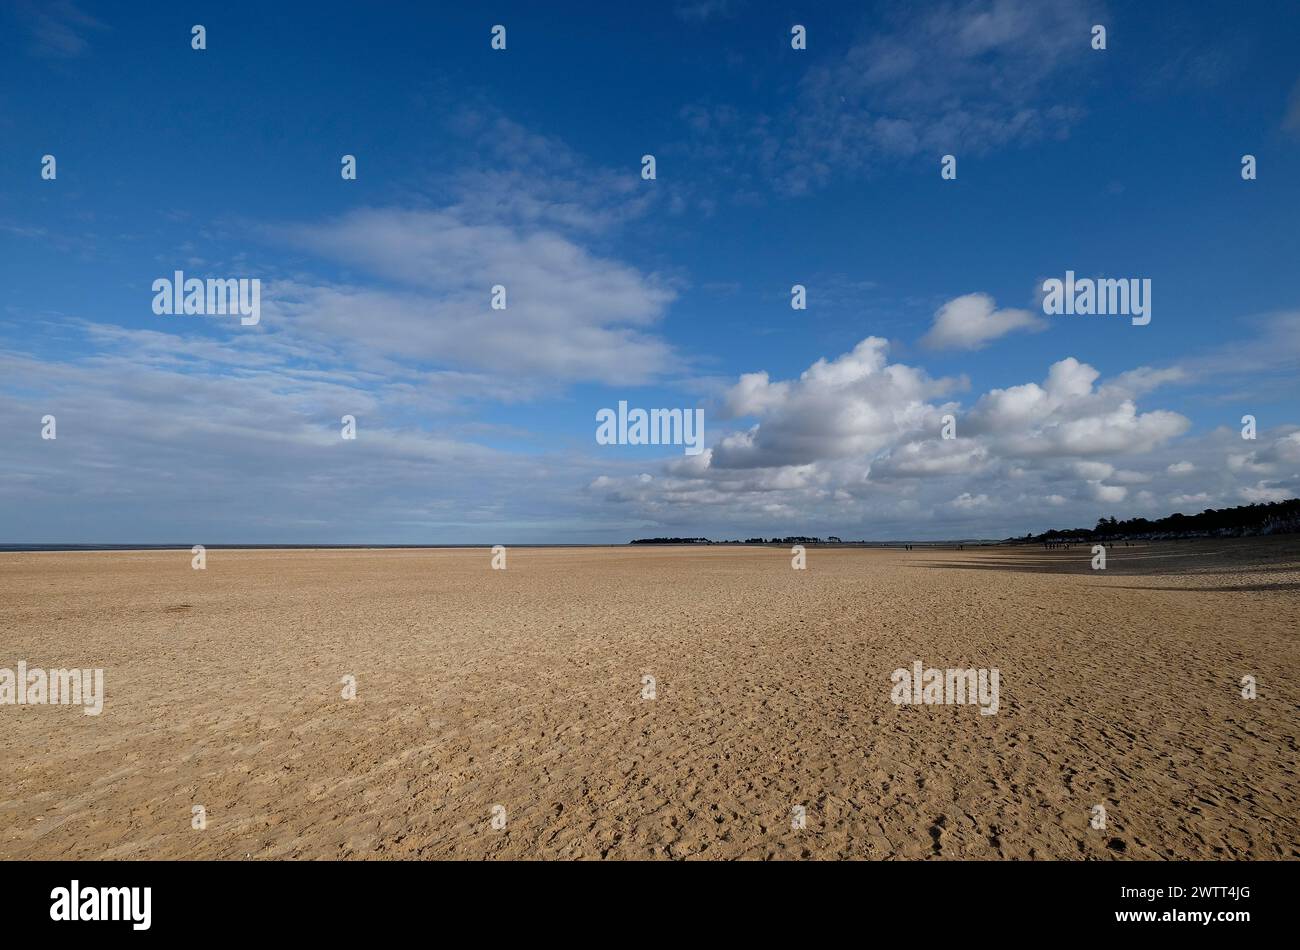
(699, 11)
(184, 439)
(1291, 119)
(571, 315)
(964, 77)
(58, 27)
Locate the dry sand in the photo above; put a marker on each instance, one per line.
(523, 688)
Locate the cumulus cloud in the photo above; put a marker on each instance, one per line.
(968, 502)
(932, 457)
(1095, 471)
(1108, 493)
(1066, 415)
(857, 440)
(1264, 492)
(853, 405)
(1274, 457)
(972, 321)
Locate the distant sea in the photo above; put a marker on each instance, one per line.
(18, 548)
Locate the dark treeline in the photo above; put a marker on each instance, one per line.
(1274, 517)
(671, 541)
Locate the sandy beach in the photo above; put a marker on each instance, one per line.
(525, 688)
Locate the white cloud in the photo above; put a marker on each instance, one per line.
(855, 404)
(854, 440)
(205, 451)
(1265, 492)
(972, 321)
(932, 457)
(1093, 470)
(1108, 493)
(968, 502)
(1067, 416)
(571, 315)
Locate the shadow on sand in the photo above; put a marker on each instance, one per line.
(1134, 562)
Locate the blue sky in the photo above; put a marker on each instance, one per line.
(522, 167)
